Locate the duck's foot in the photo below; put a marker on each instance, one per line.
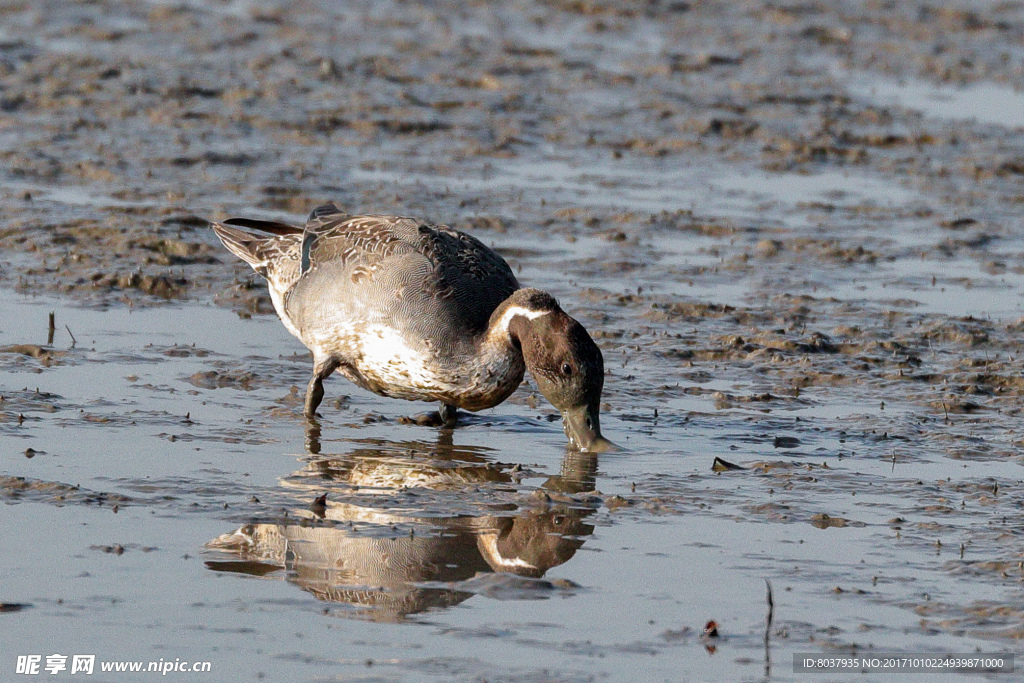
(446, 416)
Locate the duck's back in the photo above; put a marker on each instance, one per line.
(385, 279)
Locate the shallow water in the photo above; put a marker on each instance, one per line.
(986, 103)
(208, 482)
(181, 481)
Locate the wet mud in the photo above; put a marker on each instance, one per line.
(794, 230)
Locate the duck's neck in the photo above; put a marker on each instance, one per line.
(498, 341)
(510, 328)
(500, 351)
(495, 367)
(503, 316)
(508, 323)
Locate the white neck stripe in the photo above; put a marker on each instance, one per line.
(513, 311)
(491, 544)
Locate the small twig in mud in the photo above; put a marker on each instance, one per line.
(74, 341)
(720, 465)
(51, 330)
(769, 618)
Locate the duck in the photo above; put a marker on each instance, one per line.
(422, 312)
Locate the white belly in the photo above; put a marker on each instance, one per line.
(388, 359)
(378, 358)
(277, 298)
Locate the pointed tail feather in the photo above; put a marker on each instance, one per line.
(272, 227)
(244, 245)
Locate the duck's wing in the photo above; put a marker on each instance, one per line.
(432, 281)
(357, 244)
(468, 275)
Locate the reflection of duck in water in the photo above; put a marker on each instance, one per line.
(394, 563)
(382, 574)
(423, 313)
(415, 464)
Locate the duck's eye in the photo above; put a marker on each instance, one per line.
(566, 369)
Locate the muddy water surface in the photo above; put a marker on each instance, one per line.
(794, 231)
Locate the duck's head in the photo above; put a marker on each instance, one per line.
(564, 361)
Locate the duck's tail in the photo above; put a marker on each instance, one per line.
(256, 250)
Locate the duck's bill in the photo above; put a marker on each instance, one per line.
(583, 428)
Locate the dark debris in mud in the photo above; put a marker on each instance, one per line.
(14, 489)
(8, 607)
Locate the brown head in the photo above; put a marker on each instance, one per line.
(534, 541)
(564, 361)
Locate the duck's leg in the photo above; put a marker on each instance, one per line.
(322, 369)
(448, 414)
(313, 436)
